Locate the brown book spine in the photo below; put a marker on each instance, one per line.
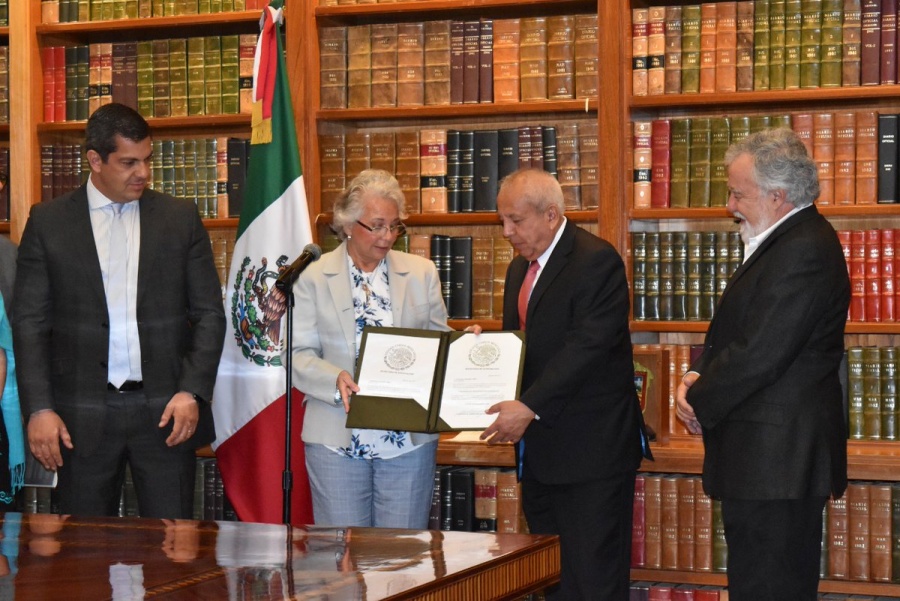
(639, 51)
(686, 517)
(857, 267)
(802, 124)
(588, 151)
(410, 64)
(859, 535)
(503, 254)
(838, 538)
(669, 522)
(852, 37)
(866, 157)
(471, 61)
(506, 60)
(509, 504)
(638, 530)
(880, 532)
(384, 64)
(433, 170)
(359, 66)
(870, 37)
(844, 157)
(382, 154)
(482, 277)
(586, 59)
(332, 68)
(673, 49)
(823, 155)
(653, 521)
(569, 165)
(561, 57)
(486, 61)
(331, 167)
(744, 47)
(406, 164)
(642, 164)
(533, 57)
(358, 153)
(726, 47)
(437, 63)
(708, 19)
(703, 530)
(656, 50)
(457, 61)
(888, 73)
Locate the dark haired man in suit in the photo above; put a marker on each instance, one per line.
(118, 330)
(765, 392)
(578, 410)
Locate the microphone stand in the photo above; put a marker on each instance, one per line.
(287, 477)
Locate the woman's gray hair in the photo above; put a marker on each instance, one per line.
(780, 162)
(350, 205)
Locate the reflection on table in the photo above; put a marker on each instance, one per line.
(48, 556)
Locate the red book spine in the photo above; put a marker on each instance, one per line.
(660, 161)
(638, 530)
(59, 87)
(48, 58)
(870, 52)
(887, 274)
(873, 274)
(857, 266)
(888, 42)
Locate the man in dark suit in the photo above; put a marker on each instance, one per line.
(578, 409)
(765, 392)
(119, 330)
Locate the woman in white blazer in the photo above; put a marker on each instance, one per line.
(362, 477)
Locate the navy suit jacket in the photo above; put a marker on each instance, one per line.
(579, 373)
(768, 396)
(61, 333)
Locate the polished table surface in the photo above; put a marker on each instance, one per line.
(47, 556)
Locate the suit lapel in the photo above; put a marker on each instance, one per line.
(554, 265)
(803, 215)
(81, 241)
(337, 274)
(152, 231)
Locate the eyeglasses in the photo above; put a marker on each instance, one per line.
(380, 230)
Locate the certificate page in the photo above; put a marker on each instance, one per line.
(481, 370)
(399, 366)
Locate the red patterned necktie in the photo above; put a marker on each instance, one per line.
(525, 291)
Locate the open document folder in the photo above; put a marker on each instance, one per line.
(427, 381)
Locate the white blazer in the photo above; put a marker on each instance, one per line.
(324, 336)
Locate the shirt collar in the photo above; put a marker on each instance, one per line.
(754, 242)
(542, 260)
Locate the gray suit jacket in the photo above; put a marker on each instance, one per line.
(325, 331)
(768, 396)
(61, 332)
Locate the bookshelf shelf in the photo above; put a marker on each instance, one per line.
(720, 579)
(720, 212)
(4, 227)
(766, 99)
(437, 8)
(512, 109)
(852, 327)
(169, 25)
(201, 123)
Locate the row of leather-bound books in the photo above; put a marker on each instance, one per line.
(446, 62)
(458, 171)
(720, 47)
(681, 162)
(170, 77)
(71, 11)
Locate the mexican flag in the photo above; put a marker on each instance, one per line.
(249, 405)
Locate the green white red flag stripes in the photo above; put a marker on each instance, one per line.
(274, 227)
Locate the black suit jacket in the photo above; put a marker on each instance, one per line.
(578, 376)
(768, 396)
(61, 334)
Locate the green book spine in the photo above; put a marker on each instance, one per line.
(131, 9)
(168, 7)
(651, 277)
(679, 178)
(215, 6)
(895, 527)
(811, 44)
(145, 79)
(690, 49)
(83, 77)
(179, 176)
(871, 393)
(855, 392)
(701, 139)
(231, 101)
(145, 9)
(212, 71)
(639, 274)
(196, 77)
(776, 121)
(739, 128)
(707, 275)
(203, 7)
(679, 276)
(191, 7)
(84, 10)
(792, 25)
(107, 10)
(720, 547)
(888, 393)
(71, 83)
(832, 43)
(156, 8)
(693, 276)
(168, 167)
(118, 9)
(673, 32)
(759, 123)
(720, 139)
(851, 43)
(178, 93)
(161, 102)
(776, 44)
(761, 40)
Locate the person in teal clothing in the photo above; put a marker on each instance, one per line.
(12, 446)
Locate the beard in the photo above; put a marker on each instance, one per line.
(749, 230)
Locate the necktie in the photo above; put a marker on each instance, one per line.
(117, 298)
(525, 291)
(524, 296)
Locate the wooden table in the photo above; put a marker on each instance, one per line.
(46, 556)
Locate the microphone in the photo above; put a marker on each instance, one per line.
(311, 252)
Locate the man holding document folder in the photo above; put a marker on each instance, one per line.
(578, 412)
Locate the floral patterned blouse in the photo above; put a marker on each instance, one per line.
(372, 306)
